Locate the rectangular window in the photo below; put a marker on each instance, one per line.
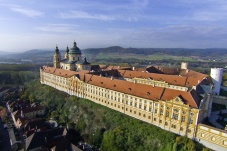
(173, 126)
(175, 116)
(161, 112)
(190, 121)
(183, 119)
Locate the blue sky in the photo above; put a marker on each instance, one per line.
(41, 24)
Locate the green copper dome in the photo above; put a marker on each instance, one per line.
(74, 49)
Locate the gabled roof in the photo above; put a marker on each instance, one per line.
(143, 91)
(163, 70)
(34, 124)
(190, 98)
(191, 79)
(170, 79)
(59, 72)
(65, 145)
(48, 138)
(28, 110)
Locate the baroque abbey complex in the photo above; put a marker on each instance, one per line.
(177, 100)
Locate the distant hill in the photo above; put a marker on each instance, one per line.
(2, 53)
(31, 54)
(97, 54)
(168, 51)
(214, 52)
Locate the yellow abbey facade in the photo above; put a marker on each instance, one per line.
(176, 100)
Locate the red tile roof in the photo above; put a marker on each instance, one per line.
(59, 72)
(171, 79)
(143, 91)
(188, 80)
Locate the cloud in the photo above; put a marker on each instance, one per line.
(186, 36)
(140, 4)
(25, 11)
(57, 28)
(85, 15)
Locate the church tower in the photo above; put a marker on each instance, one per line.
(67, 53)
(56, 58)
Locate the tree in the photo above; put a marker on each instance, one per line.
(31, 98)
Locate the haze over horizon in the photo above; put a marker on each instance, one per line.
(39, 24)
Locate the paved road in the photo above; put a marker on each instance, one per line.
(214, 116)
(4, 136)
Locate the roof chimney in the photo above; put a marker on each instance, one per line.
(133, 68)
(184, 65)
